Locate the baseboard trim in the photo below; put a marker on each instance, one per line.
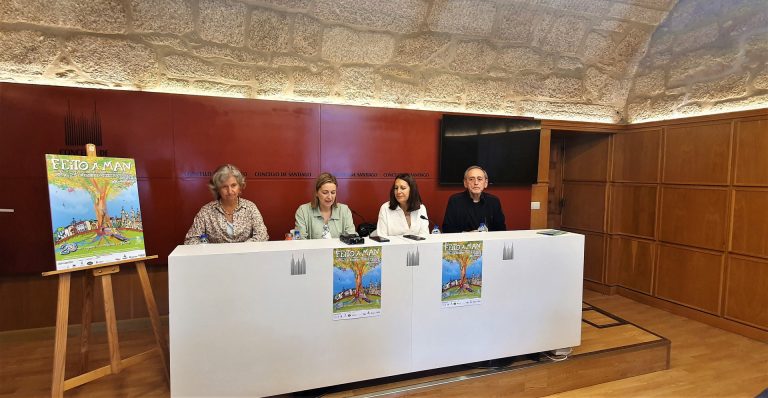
(74, 329)
(600, 288)
(697, 315)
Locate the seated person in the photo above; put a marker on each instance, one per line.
(466, 210)
(229, 218)
(402, 214)
(323, 217)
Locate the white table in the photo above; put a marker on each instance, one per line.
(242, 325)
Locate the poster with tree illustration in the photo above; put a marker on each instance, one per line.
(462, 273)
(95, 210)
(356, 282)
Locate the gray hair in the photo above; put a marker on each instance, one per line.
(221, 175)
(470, 168)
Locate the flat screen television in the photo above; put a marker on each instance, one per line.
(507, 148)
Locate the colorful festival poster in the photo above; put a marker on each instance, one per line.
(356, 282)
(462, 273)
(94, 210)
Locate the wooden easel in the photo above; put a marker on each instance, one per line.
(103, 272)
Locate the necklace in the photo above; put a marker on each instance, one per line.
(229, 213)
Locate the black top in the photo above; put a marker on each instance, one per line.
(462, 214)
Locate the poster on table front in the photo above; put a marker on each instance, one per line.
(95, 211)
(356, 282)
(462, 282)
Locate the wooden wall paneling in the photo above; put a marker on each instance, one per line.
(26, 241)
(540, 191)
(139, 126)
(555, 190)
(751, 162)
(613, 260)
(21, 310)
(132, 124)
(746, 294)
(160, 201)
(585, 204)
(594, 256)
(633, 209)
(696, 315)
(694, 216)
(545, 141)
(697, 154)
(33, 125)
(386, 142)
(539, 194)
(268, 139)
(29, 301)
(637, 156)
(158, 277)
(750, 222)
(586, 157)
(632, 261)
(572, 126)
(690, 277)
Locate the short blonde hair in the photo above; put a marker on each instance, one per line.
(221, 175)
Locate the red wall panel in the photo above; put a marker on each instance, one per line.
(160, 211)
(178, 140)
(255, 136)
(26, 236)
(358, 141)
(133, 124)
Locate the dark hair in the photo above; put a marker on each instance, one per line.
(414, 199)
(322, 179)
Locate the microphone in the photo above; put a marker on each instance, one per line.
(357, 214)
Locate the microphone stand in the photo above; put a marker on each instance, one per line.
(364, 228)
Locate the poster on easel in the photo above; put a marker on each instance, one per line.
(95, 212)
(462, 281)
(356, 282)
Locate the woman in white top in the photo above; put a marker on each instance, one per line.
(402, 215)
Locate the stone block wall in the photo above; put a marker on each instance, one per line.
(706, 57)
(555, 59)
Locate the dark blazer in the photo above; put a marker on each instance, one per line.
(462, 214)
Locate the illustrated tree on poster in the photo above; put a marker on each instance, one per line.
(359, 267)
(100, 189)
(463, 260)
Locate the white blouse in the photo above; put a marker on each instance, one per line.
(393, 223)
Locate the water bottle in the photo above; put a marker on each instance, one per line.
(204, 238)
(482, 228)
(296, 234)
(436, 229)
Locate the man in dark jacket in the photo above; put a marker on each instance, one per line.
(468, 209)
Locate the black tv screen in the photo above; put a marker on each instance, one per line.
(508, 149)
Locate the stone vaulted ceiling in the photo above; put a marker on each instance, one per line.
(592, 60)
